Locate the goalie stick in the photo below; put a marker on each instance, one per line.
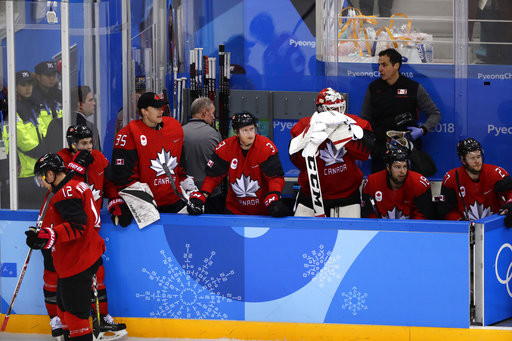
(39, 222)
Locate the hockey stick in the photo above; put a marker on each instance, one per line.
(25, 264)
(39, 222)
(374, 207)
(173, 184)
(97, 301)
(461, 197)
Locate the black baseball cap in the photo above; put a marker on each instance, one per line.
(150, 99)
(23, 77)
(46, 68)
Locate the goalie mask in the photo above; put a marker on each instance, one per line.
(467, 146)
(76, 133)
(330, 100)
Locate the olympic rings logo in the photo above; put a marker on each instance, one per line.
(508, 278)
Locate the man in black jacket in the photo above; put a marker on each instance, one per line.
(392, 103)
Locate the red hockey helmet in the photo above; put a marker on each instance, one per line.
(330, 100)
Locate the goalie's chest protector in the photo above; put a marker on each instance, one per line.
(155, 147)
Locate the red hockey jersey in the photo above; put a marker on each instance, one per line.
(139, 153)
(482, 198)
(73, 216)
(411, 201)
(98, 182)
(339, 175)
(250, 177)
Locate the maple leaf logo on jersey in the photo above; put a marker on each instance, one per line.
(245, 187)
(395, 214)
(331, 156)
(95, 192)
(161, 159)
(477, 211)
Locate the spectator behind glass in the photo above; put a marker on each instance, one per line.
(83, 105)
(30, 141)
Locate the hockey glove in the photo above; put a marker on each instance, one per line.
(81, 161)
(276, 207)
(119, 212)
(195, 205)
(44, 239)
(415, 133)
(508, 214)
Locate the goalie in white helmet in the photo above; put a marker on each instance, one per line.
(336, 140)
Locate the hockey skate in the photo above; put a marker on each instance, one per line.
(57, 331)
(108, 329)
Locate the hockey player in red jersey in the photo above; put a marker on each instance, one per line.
(475, 190)
(397, 192)
(69, 230)
(255, 175)
(149, 151)
(339, 176)
(91, 166)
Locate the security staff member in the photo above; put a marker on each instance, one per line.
(392, 103)
(30, 141)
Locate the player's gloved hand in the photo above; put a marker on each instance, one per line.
(415, 133)
(44, 239)
(507, 211)
(276, 207)
(81, 161)
(195, 205)
(119, 212)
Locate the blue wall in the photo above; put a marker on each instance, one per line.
(350, 271)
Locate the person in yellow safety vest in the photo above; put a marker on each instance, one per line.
(30, 142)
(47, 94)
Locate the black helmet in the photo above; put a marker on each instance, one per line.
(467, 146)
(76, 133)
(51, 162)
(396, 154)
(243, 119)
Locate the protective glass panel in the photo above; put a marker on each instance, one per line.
(38, 93)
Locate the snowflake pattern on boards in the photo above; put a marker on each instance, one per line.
(331, 156)
(187, 295)
(478, 211)
(395, 213)
(321, 266)
(245, 187)
(163, 158)
(354, 301)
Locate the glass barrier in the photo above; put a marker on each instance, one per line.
(38, 97)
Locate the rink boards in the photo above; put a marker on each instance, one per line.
(320, 273)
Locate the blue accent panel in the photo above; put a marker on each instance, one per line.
(8, 270)
(497, 270)
(369, 295)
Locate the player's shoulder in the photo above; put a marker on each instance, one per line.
(449, 176)
(65, 154)
(74, 188)
(300, 126)
(418, 180)
(99, 158)
(265, 145)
